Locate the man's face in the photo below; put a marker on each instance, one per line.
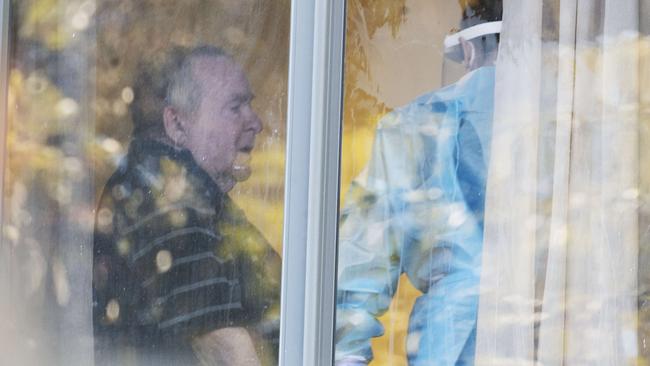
(221, 132)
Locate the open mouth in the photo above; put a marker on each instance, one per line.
(241, 169)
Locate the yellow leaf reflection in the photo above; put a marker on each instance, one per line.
(164, 261)
(112, 310)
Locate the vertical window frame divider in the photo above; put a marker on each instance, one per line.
(312, 182)
(324, 178)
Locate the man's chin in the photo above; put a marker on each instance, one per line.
(237, 174)
(241, 172)
(241, 168)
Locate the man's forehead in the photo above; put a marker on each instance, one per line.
(217, 69)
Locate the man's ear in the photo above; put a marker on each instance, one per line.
(469, 54)
(175, 126)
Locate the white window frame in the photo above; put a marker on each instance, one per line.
(312, 182)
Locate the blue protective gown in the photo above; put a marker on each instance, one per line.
(418, 209)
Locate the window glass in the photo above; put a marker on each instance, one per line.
(143, 182)
(494, 183)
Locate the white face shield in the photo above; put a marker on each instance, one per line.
(483, 41)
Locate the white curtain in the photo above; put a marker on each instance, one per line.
(565, 229)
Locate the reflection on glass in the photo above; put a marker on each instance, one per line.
(143, 191)
(512, 197)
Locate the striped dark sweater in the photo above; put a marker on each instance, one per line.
(174, 258)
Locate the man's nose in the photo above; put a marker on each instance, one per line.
(254, 122)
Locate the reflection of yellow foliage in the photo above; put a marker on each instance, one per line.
(44, 16)
(390, 349)
(364, 18)
(465, 3)
(42, 119)
(261, 197)
(29, 121)
(68, 125)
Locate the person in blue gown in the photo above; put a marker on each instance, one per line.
(418, 209)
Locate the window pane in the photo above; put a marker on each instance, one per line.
(143, 190)
(494, 183)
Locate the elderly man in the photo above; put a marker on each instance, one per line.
(180, 276)
(418, 210)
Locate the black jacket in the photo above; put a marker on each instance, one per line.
(174, 258)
